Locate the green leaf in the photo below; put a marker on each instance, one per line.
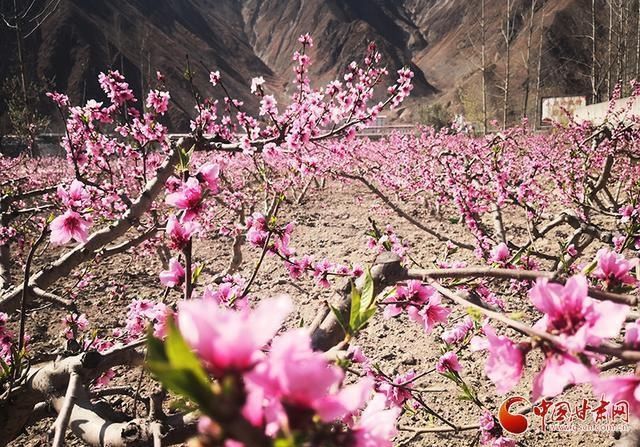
(363, 305)
(516, 258)
(187, 74)
(589, 268)
(155, 348)
(367, 291)
(180, 354)
(174, 364)
(6, 370)
(475, 314)
(356, 299)
(185, 158)
(196, 273)
(284, 442)
(343, 324)
(184, 382)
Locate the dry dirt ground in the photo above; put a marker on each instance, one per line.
(331, 223)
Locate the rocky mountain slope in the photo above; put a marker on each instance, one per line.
(246, 38)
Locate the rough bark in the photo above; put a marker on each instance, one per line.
(326, 331)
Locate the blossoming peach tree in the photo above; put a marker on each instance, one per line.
(238, 371)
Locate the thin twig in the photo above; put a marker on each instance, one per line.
(25, 288)
(265, 248)
(439, 429)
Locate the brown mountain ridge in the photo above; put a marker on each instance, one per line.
(438, 39)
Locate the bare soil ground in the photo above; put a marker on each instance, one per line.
(331, 223)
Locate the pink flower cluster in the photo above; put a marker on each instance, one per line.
(259, 231)
(158, 101)
(398, 390)
(310, 112)
(188, 197)
(228, 292)
(6, 339)
(115, 87)
(613, 268)
(287, 382)
(180, 233)
(491, 433)
(74, 325)
(68, 226)
(142, 313)
(72, 224)
(448, 363)
(7, 234)
(505, 363)
(575, 320)
(458, 332)
(174, 276)
(500, 254)
(422, 303)
(628, 213)
(388, 241)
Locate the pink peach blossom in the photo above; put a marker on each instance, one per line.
(458, 332)
(298, 267)
(294, 375)
(76, 196)
(377, 424)
(258, 230)
(321, 270)
(414, 293)
(491, 434)
(500, 254)
(70, 225)
(571, 315)
(188, 198)
(398, 391)
(174, 276)
(614, 267)
(159, 101)
(505, 363)
(448, 362)
(632, 334)
(619, 388)
(256, 85)
(214, 78)
(431, 314)
(74, 324)
(209, 173)
(560, 369)
(180, 232)
(227, 339)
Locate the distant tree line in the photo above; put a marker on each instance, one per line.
(606, 53)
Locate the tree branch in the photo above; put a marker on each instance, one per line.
(84, 252)
(400, 212)
(520, 275)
